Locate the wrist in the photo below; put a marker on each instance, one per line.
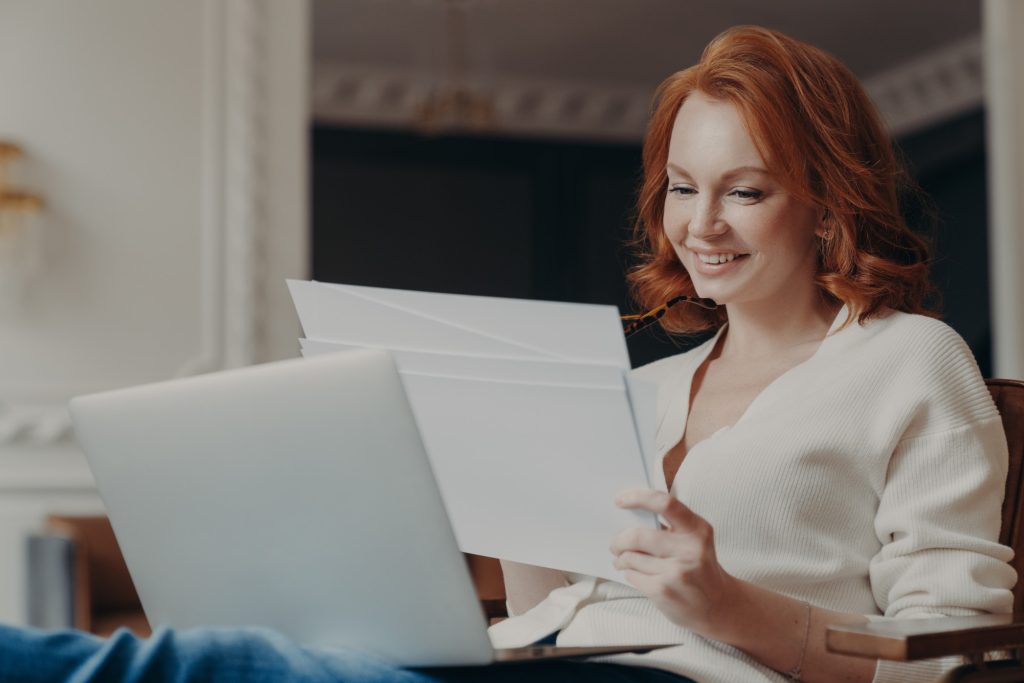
(752, 617)
(733, 613)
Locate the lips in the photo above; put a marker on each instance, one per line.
(718, 263)
(722, 257)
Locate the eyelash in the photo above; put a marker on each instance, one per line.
(751, 194)
(741, 194)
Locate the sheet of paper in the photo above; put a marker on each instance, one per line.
(454, 323)
(481, 368)
(643, 402)
(528, 457)
(529, 449)
(525, 473)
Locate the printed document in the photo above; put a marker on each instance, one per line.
(526, 408)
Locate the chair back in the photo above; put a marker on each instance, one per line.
(1008, 395)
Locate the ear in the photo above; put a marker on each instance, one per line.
(821, 216)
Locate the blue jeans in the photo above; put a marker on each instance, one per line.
(256, 656)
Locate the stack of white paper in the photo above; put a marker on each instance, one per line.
(530, 420)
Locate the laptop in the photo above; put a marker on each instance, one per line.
(296, 496)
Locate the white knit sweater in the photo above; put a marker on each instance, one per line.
(868, 479)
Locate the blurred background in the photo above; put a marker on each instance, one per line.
(491, 147)
(164, 166)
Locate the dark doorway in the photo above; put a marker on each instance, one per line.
(549, 219)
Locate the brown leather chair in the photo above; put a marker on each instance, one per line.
(970, 637)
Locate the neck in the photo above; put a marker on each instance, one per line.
(758, 329)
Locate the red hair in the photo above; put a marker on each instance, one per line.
(822, 139)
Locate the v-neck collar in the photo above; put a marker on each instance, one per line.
(678, 410)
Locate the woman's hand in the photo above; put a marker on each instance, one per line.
(678, 570)
(675, 567)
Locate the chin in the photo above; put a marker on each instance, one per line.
(721, 295)
(726, 290)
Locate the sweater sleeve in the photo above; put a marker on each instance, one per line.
(939, 512)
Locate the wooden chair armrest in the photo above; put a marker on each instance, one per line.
(906, 640)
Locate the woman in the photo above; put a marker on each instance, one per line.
(830, 456)
(833, 456)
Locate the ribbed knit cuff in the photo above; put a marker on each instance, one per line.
(924, 671)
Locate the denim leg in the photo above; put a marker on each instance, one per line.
(233, 655)
(228, 655)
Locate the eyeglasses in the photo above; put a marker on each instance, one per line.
(642, 320)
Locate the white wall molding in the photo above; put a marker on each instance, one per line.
(246, 156)
(930, 88)
(376, 97)
(235, 139)
(1003, 25)
(910, 96)
(37, 418)
(27, 424)
(233, 227)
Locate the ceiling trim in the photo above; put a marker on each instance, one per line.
(910, 97)
(359, 96)
(930, 88)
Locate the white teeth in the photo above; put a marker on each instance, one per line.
(717, 258)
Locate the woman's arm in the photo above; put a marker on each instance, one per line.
(679, 572)
(526, 585)
(772, 628)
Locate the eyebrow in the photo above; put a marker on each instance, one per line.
(728, 174)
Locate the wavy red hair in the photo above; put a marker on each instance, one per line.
(821, 137)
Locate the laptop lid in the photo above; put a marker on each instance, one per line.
(293, 495)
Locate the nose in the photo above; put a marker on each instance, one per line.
(705, 222)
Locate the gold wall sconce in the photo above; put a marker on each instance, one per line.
(13, 202)
(18, 248)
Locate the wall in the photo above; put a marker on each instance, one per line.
(1004, 92)
(169, 141)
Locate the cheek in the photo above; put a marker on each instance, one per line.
(674, 223)
(763, 228)
(789, 225)
(673, 234)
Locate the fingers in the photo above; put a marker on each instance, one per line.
(679, 517)
(641, 562)
(653, 542)
(649, 584)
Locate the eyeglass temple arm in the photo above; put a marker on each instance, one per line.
(643, 320)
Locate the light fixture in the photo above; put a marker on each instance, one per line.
(18, 248)
(455, 102)
(14, 204)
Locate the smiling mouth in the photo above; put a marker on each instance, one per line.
(716, 259)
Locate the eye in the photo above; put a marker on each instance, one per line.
(682, 190)
(747, 194)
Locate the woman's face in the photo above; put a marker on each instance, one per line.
(741, 237)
